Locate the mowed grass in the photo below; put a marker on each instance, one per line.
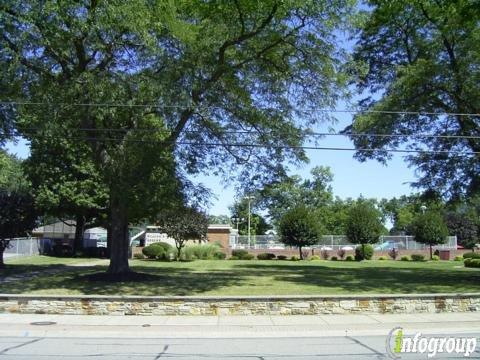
(225, 277)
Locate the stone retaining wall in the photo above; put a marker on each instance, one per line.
(273, 305)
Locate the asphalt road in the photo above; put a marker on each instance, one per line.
(342, 347)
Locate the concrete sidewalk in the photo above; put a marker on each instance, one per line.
(88, 326)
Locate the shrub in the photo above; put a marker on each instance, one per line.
(324, 254)
(471, 255)
(471, 262)
(363, 226)
(202, 252)
(430, 229)
(160, 251)
(295, 258)
(458, 258)
(220, 255)
(315, 257)
(299, 227)
(334, 258)
(266, 256)
(248, 257)
(382, 258)
(138, 256)
(364, 252)
(405, 258)
(393, 253)
(282, 257)
(233, 258)
(239, 253)
(435, 257)
(417, 257)
(341, 253)
(349, 258)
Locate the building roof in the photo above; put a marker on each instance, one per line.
(60, 227)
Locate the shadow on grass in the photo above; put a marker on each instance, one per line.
(148, 281)
(375, 279)
(247, 279)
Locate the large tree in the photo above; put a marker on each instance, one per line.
(143, 81)
(422, 57)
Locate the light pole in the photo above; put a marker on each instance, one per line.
(249, 199)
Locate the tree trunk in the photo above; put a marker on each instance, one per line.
(120, 242)
(430, 251)
(79, 230)
(300, 250)
(363, 251)
(2, 249)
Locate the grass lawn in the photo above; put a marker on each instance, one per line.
(224, 277)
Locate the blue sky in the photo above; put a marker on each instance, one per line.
(351, 177)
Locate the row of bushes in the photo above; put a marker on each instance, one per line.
(165, 252)
(472, 262)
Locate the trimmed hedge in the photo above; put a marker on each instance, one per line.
(418, 257)
(266, 256)
(458, 258)
(435, 258)
(314, 257)
(159, 251)
(334, 258)
(405, 258)
(349, 258)
(382, 258)
(471, 255)
(471, 262)
(282, 257)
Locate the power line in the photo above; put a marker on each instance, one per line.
(234, 132)
(270, 146)
(184, 107)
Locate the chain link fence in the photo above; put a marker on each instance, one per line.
(335, 242)
(24, 247)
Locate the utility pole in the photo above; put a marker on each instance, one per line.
(249, 199)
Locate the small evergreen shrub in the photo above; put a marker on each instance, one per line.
(295, 258)
(382, 258)
(359, 255)
(239, 253)
(418, 257)
(138, 256)
(314, 257)
(349, 258)
(160, 251)
(405, 258)
(233, 258)
(248, 257)
(458, 258)
(266, 256)
(220, 255)
(435, 258)
(334, 258)
(282, 257)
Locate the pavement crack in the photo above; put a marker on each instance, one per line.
(4, 351)
(382, 356)
(165, 348)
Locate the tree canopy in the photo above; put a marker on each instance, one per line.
(420, 63)
(157, 89)
(430, 229)
(299, 227)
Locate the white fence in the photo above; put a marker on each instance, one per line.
(23, 247)
(335, 242)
